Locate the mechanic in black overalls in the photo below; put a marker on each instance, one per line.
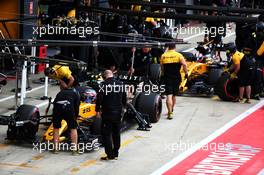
(66, 107)
(66, 103)
(142, 61)
(215, 31)
(109, 104)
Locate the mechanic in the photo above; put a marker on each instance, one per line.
(142, 61)
(66, 107)
(240, 69)
(63, 74)
(171, 62)
(109, 105)
(215, 32)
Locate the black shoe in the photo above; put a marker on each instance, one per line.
(106, 158)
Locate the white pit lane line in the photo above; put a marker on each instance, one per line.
(13, 96)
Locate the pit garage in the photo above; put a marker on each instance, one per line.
(210, 133)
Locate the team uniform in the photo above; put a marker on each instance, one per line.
(171, 61)
(59, 72)
(111, 105)
(244, 74)
(62, 73)
(66, 106)
(142, 62)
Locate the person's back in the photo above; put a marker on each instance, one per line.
(246, 65)
(63, 74)
(171, 61)
(112, 100)
(66, 107)
(111, 97)
(66, 102)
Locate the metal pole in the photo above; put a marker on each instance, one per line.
(189, 2)
(173, 15)
(16, 89)
(46, 84)
(23, 78)
(33, 64)
(23, 83)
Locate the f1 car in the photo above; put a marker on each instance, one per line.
(203, 72)
(24, 123)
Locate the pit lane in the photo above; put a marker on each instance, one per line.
(141, 152)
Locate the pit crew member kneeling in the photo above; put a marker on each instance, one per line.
(241, 68)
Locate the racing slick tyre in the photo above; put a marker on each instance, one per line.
(226, 88)
(24, 131)
(149, 104)
(214, 74)
(154, 72)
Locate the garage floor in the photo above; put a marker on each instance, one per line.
(141, 152)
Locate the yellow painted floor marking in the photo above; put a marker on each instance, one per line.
(93, 162)
(88, 163)
(2, 145)
(22, 165)
(215, 97)
(38, 157)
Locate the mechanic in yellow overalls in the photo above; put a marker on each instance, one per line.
(243, 75)
(63, 74)
(171, 62)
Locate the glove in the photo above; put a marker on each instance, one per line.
(233, 76)
(227, 71)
